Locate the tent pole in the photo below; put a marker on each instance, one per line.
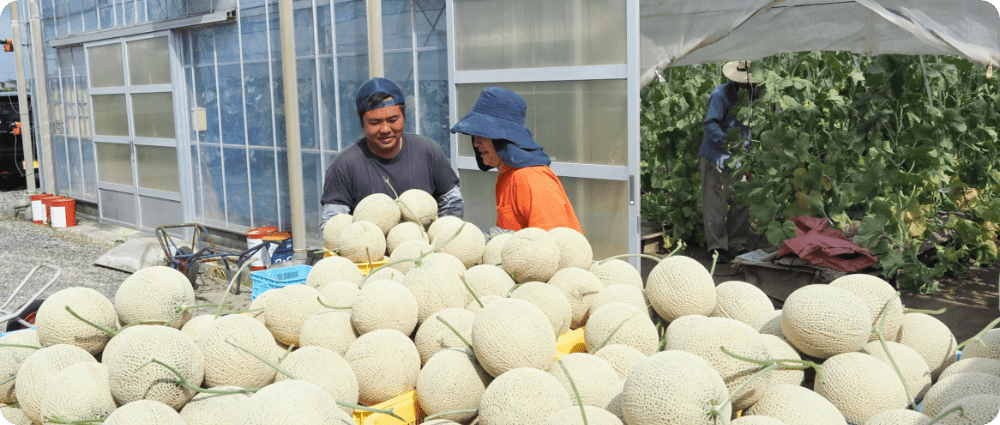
(289, 74)
(22, 100)
(47, 164)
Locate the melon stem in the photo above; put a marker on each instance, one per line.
(713, 412)
(715, 260)
(647, 256)
(942, 415)
(455, 331)
(232, 281)
(106, 331)
(782, 363)
(885, 348)
(267, 362)
(474, 296)
(607, 338)
(576, 392)
(20, 346)
(182, 381)
(320, 301)
(416, 261)
(450, 412)
(60, 420)
(913, 310)
(992, 325)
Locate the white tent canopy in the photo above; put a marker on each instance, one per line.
(689, 32)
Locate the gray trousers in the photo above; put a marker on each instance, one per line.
(726, 224)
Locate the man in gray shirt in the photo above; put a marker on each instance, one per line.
(408, 161)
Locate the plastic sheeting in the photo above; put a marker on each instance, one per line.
(689, 32)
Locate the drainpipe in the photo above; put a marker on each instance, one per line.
(42, 98)
(289, 74)
(22, 100)
(375, 62)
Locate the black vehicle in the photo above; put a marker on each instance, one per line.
(12, 169)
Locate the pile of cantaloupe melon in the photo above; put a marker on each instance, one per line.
(472, 326)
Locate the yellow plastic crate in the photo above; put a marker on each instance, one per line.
(404, 405)
(570, 342)
(365, 269)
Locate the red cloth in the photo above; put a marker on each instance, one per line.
(825, 247)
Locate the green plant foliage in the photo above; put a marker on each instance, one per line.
(851, 139)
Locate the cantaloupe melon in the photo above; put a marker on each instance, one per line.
(227, 365)
(875, 292)
(451, 381)
(531, 254)
(403, 232)
(386, 364)
(487, 279)
(955, 387)
(325, 368)
(38, 369)
(615, 272)
(154, 293)
(137, 346)
(986, 346)
(292, 402)
(550, 300)
(57, 326)
(931, 338)
(386, 273)
(478, 305)
(435, 287)
(287, 310)
(512, 333)
(146, 412)
(860, 386)
(823, 321)
(580, 287)
(782, 350)
(468, 244)
(417, 205)
(340, 293)
(409, 250)
(332, 269)
(796, 405)
(621, 357)
(384, 304)
(612, 401)
(756, 420)
(197, 324)
(591, 375)
(379, 209)
(333, 228)
(627, 294)
(708, 335)
(741, 301)
(574, 248)
(11, 359)
(911, 364)
(522, 396)
(572, 416)
(256, 309)
(362, 241)
(215, 409)
(433, 335)
(976, 364)
(440, 223)
(494, 246)
(899, 417)
(674, 387)
(635, 328)
(79, 391)
(14, 415)
(446, 259)
(976, 409)
(679, 286)
(331, 329)
(769, 324)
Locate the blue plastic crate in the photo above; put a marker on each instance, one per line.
(277, 278)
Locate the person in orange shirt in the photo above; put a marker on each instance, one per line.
(528, 193)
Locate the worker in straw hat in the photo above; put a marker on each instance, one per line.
(528, 193)
(726, 223)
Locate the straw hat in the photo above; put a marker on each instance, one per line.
(739, 71)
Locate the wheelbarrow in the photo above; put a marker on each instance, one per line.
(187, 258)
(24, 317)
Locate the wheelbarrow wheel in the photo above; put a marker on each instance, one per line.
(28, 315)
(189, 268)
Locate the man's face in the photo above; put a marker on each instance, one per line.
(383, 129)
(487, 151)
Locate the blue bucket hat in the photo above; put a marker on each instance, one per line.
(378, 85)
(499, 114)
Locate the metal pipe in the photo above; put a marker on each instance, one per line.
(289, 73)
(42, 102)
(22, 100)
(376, 67)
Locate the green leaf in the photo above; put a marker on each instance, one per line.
(891, 262)
(870, 231)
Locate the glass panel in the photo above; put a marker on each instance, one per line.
(312, 186)
(199, 213)
(61, 164)
(231, 102)
(434, 121)
(75, 169)
(237, 186)
(397, 28)
(128, 12)
(576, 121)
(114, 163)
(107, 15)
(597, 204)
(248, 3)
(149, 61)
(352, 27)
(212, 183)
(353, 71)
(156, 10)
(328, 106)
(90, 20)
(55, 102)
(304, 38)
(48, 10)
(118, 206)
(430, 23)
(307, 103)
(258, 104)
(254, 30)
(206, 97)
(531, 34)
(106, 65)
(399, 69)
(157, 168)
(325, 41)
(79, 63)
(227, 44)
(65, 60)
(89, 171)
(284, 200)
(49, 27)
(203, 45)
(109, 115)
(158, 212)
(153, 115)
(277, 96)
(75, 23)
(264, 187)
